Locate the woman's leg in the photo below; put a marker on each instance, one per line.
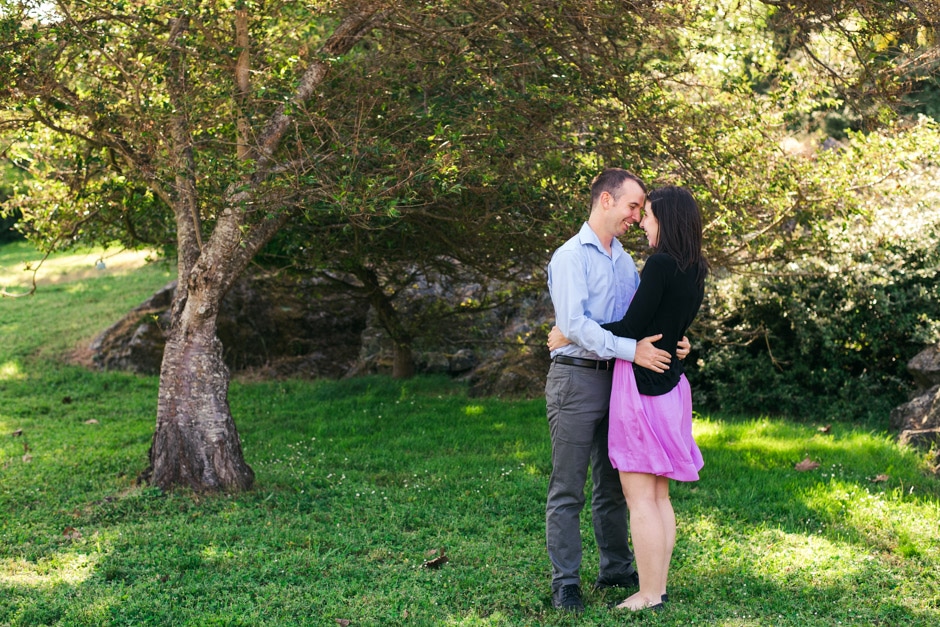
(668, 517)
(649, 538)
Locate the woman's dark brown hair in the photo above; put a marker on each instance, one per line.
(680, 228)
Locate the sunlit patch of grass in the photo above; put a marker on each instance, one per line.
(11, 370)
(814, 559)
(474, 619)
(66, 313)
(61, 568)
(857, 509)
(24, 265)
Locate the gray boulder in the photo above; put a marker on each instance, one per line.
(919, 419)
(269, 326)
(925, 367)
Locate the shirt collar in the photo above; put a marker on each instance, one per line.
(587, 236)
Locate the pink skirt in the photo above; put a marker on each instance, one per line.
(652, 434)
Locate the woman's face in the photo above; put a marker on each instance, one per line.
(650, 224)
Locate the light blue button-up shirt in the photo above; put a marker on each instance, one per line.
(588, 288)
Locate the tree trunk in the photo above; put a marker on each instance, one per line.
(196, 443)
(403, 363)
(403, 366)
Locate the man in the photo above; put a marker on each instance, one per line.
(591, 279)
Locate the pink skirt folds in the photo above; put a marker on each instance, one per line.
(652, 434)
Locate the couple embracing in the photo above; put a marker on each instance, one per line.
(617, 399)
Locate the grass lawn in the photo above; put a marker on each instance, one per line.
(359, 482)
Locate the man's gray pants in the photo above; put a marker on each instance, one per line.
(578, 401)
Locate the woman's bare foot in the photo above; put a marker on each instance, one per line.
(638, 602)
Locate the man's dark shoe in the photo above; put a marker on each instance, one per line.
(626, 581)
(568, 598)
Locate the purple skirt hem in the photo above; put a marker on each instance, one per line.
(652, 434)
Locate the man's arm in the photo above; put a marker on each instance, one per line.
(569, 291)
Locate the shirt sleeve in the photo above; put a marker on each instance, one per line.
(569, 292)
(645, 303)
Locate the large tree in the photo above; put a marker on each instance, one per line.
(160, 95)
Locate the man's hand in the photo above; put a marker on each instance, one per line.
(557, 339)
(683, 348)
(650, 357)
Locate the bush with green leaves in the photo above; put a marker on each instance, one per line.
(828, 337)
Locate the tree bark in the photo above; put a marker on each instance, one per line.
(196, 443)
(403, 362)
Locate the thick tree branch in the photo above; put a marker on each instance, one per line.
(186, 206)
(242, 83)
(346, 35)
(242, 244)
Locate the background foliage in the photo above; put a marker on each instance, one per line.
(829, 335)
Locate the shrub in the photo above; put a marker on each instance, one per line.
(826, 338)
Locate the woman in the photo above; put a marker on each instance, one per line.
(650, 438)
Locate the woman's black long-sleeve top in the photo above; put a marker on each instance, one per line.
(666, 302)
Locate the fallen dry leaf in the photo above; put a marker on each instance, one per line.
(17, 433)
(879, 478)
(342, 622)
(807, 464)
(825, 429)
(437, 562)
(91, 421)
(27, 458)
(71, 533)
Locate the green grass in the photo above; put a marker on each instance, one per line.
(73, 301)
(361, 481)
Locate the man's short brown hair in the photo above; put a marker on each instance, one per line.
(610, 181)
